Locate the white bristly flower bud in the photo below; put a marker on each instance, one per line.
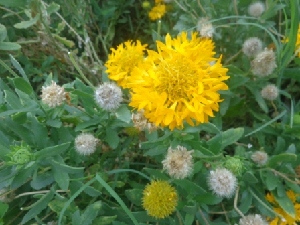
(53, 95)
(222, 182)
(253, 220)
(256, 9)
(85, 144)
(252, 46)
(259, 157)
(108, 96)
(205, 28)
(178, 162)
(264, 63)
(270, 92)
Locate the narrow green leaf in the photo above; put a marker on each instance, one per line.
(3, 209)
(61, 178)
(286, 204)
(13, 3)
(18, 67)
(3, 32)
(135, 196)
(52, 151)
(117, 198)
(231, 136)
(38, 206)
(112, 138)
(66, 168)
(9, 46)
(28, 23)
(91, 213)
(23, 85)
(282, 158)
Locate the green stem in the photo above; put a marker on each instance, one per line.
(79, 70)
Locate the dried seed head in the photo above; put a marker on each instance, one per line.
(205, 28)
(270, 92)
(141, 123)
(85, 144)
(108, 96)
(178, 162)
(252, 46)
(222, 182)
(259, 157)
(253, 220)
(264, 63)
(53, 95)
(256, 9)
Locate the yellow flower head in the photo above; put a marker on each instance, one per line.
(159, 199)
(286, 219)
(298, 42)
(179, 83)
(157, 12)
(121, 61)
(297, 47)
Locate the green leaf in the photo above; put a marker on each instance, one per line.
(286, 204)
(13, 3)
(52, 8)
(38, 206)
(123, 114)
(104, 220)
(52, 151)
(65, 168)
(28, 23)
(231, 136)
(208, 199)
(62, 178)
(250, 178)
(135, 196)
(282, 158)
(9, 46)
(190, 187)
(156, 174)
(90, 213)
(3, 32)
(23, 85)
(271, 180)
(18, 67)
(64, 41)
(56, 205)
(76, 218)
(41, 180)
(112, 138)
(3, 209)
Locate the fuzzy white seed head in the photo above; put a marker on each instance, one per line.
(178, 162)
(85, 144)
(259, 158)
(205, 28)
(270, 92)
(264, 63)
(141, 123)
(253, 220)
(108, 96)
(252, 46)
(222, 182)
(53, 95)
(256, 9)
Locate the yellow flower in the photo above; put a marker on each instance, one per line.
(157, 12)
(121, 61)
(159, 199)
(286, 219)
(178, 83)
(298, 42)
(297, 47)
